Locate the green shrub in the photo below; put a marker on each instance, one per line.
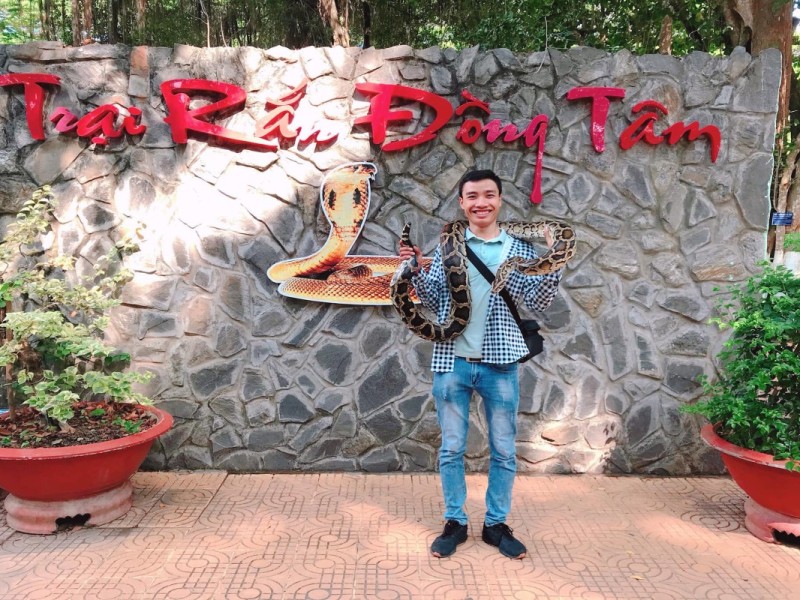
(755, 402)
(791, 242)
(56, 321)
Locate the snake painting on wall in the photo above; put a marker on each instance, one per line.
(331, 274)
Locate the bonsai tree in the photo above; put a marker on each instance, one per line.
(755, 402)
(52, 349)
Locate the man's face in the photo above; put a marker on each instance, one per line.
(480, 201)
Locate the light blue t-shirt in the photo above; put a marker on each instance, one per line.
(492, 252)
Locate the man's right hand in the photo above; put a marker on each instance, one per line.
(407, 252)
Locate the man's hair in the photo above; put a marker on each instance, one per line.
(479, 175)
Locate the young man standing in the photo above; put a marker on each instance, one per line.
(482, 359)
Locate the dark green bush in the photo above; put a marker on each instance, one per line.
(755, 402)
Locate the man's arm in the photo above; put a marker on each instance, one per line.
(540, 290)
(427, 282)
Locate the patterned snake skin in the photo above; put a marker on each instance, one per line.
(453, 252)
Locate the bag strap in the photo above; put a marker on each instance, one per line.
(487, 274)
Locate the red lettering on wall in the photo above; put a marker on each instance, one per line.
(278, 122)
(381, 113)
(642, 129)
(692, 131)
(182, 119)
(600, 105)
(34, 97)
(63, 120)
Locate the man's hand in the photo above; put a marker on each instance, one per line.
(407, 252)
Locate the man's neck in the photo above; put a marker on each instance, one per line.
(485, 233)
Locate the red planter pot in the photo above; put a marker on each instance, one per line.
(48, 481)
(774, 491)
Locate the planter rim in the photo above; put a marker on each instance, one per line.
(711, 438)
(162, 425)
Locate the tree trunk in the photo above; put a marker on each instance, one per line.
(772, 28)
(113, 21)
(76, 23)
(367, 12)
(141, 12)
(330, 14)
(665, 36)
(88, 22)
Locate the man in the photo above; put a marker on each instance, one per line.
(483, 360)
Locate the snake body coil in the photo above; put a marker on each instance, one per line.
(452, 248)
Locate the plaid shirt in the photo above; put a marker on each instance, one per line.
(503, 341)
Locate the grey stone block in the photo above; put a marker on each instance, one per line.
(384, 425)
(335, 361)
(256, 384)
(682, 378)
(229, 409)
(235, 297)
(345, 425)
(294, 408)
(260, 411)
(310, 433)
(207, 381)
(230, 341)
(689, 305)
(411, 409)
(241, 461)
(383, 383)
(381, 460)
(225, 439)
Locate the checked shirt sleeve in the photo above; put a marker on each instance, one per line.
(540, 290)
(429, 283)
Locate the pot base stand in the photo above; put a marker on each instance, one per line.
(31, 516)
(763, 523)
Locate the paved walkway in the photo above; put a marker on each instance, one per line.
(318, 536)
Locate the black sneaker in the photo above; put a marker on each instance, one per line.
(500, 535)
(454, 534)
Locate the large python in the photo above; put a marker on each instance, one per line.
(454, 263)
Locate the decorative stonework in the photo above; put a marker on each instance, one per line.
(260, 382)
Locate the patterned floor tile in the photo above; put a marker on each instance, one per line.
(355, 536)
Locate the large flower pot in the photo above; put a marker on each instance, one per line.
(774, 502)
(50, 487)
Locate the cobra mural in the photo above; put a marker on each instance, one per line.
(331, 274)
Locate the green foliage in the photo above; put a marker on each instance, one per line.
(56, 350)
(791, 243)
(17, 23)
(755, 403)
(519, 25)
(130, 427)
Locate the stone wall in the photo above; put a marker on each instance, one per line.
(258, 382)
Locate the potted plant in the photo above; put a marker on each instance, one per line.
(75, 429)
(754, 404)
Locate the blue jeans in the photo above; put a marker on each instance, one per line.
(498, 385)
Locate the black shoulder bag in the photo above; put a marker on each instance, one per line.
(529, 327)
